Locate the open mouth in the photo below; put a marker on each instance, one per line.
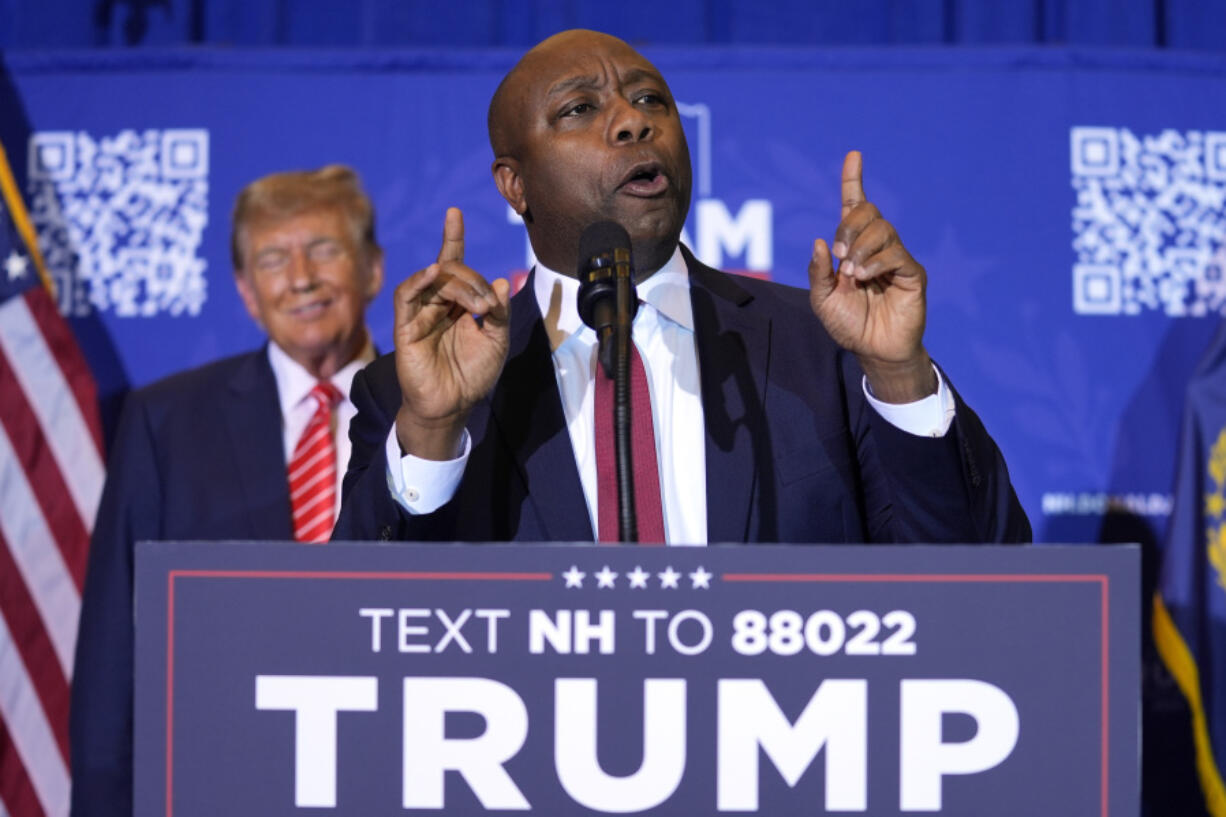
(645, 179)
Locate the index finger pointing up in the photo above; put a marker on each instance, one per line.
(453, 236)
(853, 181)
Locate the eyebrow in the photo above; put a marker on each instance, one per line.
(587, 81)
(573, 83)
(281, 248)
(641, 75)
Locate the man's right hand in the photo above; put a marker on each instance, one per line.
(447, 360)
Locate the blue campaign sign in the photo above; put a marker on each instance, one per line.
(371, 679)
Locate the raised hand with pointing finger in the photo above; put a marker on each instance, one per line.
(451, 342)
(762, 430)
(873, 303)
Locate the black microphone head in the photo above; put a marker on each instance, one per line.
(603, 247)
(601, 239)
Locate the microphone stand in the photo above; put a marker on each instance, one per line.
(627, 521)
(607, 303)
(615, 340)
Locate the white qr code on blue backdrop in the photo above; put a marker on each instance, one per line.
(1149, 227)
(120, 219)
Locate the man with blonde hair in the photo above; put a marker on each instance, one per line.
(250, 447)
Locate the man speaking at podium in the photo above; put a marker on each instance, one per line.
(775, 415)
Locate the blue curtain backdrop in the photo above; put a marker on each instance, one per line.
(1059, 168)
(1178, 24)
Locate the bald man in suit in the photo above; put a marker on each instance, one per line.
(779, 415)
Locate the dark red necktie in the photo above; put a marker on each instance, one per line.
(643, 445)
(312, 470)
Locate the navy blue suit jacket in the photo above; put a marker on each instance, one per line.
(794, 452)
(196, 456)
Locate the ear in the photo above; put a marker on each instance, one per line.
(245, 291)
(510, 183)
(374, 278)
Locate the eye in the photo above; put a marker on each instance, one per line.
(271, 260)
(324, 251)
(651, 99)
(576, 109)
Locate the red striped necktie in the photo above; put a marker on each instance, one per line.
(312, 470)
(647, 503)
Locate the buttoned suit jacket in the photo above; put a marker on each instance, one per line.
(794, 452)
(198, 455)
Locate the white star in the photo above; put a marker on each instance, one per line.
(15, 265)
(701, 578)
(638, 578)
(606, 577)
(668, 578)
(574, 577)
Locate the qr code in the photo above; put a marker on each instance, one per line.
(120, 218)
(1149, 225)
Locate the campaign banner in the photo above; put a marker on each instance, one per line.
(565, 680)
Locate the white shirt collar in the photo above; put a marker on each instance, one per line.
(668, 290)
(294, 382)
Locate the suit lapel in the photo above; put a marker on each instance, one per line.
(733, 343)
(253, 419)
(530, 420)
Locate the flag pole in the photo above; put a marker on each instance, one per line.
(21, 220)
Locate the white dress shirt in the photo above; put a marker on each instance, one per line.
(294, 384)
(663, 332)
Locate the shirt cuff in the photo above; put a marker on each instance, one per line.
(423, 486)
(928, 417)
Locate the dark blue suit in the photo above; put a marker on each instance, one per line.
(197, 456)
(794, 453)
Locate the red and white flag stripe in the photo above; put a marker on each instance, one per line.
(27, 346)
(33, 550)
(51, 475)
(40, 763)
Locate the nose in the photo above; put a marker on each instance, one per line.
(301, 272)
(629, 123)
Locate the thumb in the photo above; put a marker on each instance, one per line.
(453, 236)
(822, 280)
(500, 315)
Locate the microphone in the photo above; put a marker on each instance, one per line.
(607, 303)
(605, 258)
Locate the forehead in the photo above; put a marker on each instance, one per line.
(308, 225)
(584, 62)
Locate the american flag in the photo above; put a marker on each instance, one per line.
(51, 473)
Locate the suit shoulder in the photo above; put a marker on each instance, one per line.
(785, 295)
(787, 306)
(205, 384)
(380, 380)
(747, 290)
(381, 368)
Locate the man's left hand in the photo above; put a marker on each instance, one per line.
(873, 304)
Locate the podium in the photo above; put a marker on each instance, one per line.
(361, 679)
